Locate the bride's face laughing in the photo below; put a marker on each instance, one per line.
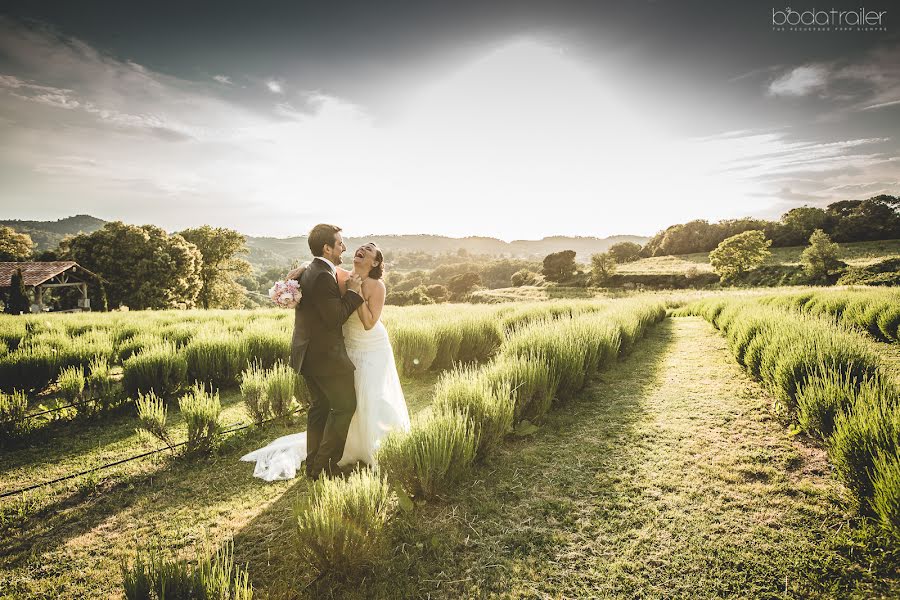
(365, 257)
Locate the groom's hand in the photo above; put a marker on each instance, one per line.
(354, 283)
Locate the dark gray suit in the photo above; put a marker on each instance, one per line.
(319, 354)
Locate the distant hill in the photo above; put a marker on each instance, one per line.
(269, 252)
(47, 235)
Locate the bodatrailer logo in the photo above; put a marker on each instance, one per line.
(833, 19)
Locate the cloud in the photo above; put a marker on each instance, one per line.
(800, 81)
(523, 137)
(868, 84)
(223, 79)
(275, 86)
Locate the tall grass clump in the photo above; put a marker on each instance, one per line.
(255, 392)
(268, 347)
(71, 382)
(449, 338)
(429, 459)
(551, 344)
(340, 522)
(281, 385)
(481, 338)
(490, 409)
(886, 484)
(151, 412)
(159, 368)
(13, 410)
(867, 430)
(152, 576)
(29, 367)
(200, 410)
(99, 385)
(216, 360)
(135, 344)
(532, 385)
(415, 347)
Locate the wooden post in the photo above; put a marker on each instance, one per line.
(39, 297)
(84, 297)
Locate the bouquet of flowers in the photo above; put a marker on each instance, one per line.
(285, 294)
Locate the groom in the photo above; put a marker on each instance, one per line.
(319, 354)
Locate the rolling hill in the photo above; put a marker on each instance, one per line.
(270, 252)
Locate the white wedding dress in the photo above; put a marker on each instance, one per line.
(380, 407)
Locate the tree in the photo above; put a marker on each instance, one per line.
(221, 266)
(799, 223)
(17, 302)
(523, 277)
(625, 252)
(461, 285)
(559, 266)
(143, 266)
(821, 258)
(14, 246)
(437, 292)
(603, 265)
(740, 253)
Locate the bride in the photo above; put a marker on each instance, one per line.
(380, 405)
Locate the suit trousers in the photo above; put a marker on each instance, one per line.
(331, 407)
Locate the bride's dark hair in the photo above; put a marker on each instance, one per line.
(377, 272)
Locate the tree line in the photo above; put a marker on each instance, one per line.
(144, 267)
(877, 218)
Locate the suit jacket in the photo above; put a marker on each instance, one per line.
(317, 347)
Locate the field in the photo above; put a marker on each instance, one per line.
(855, 254)
(643, 446)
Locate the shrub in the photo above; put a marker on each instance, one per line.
(449, 337)
(136, 344)
(255, 392)
(29, 367)
(154, 577)
(481, 338)
(71, 384)
(821, 398)
(339, 525)
(13, 410)
(100, 386)
(432, 456)
(268, 347)
(489, 408)
(531, 383)
(870, 428)
(200, 411)
(216, 360)
(281, 385)
(152, 417)
(415, 347)
(886, 484)
(158, 368)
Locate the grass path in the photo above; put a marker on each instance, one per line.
(668, 479)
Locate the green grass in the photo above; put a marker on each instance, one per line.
(666, 475)
(69, 541)
(855, 254)
(667, 478)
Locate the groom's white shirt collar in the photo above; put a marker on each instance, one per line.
(329, 263)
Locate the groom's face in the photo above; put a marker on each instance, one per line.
(336, 250)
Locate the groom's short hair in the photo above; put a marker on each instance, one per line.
(321, 235)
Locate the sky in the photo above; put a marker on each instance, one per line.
(511, 119)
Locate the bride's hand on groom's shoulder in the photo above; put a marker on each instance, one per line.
(296, 273)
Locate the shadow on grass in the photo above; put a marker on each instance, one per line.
(436, 551)
(176, 484)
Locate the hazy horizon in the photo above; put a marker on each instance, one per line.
(512, 120)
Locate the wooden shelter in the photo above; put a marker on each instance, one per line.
(40, 276)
